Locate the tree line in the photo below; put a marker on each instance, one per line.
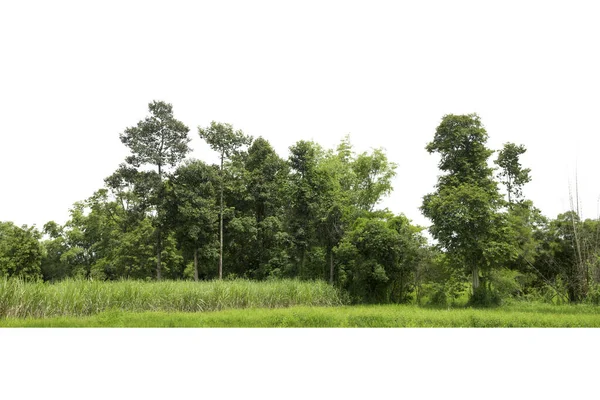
(314, 215)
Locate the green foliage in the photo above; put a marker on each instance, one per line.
(512, 175)
(223, 139)
(20, 251)
(510, 283)
(192, 212)
(159, 139)
(460, 141)
(436, 281)
(482, 297)
(569, 253)
(373, 174)
(465, 209)
(377, 259)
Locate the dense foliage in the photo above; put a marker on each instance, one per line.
(314, 216)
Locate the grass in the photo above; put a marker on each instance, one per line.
(242, 303)
(77, 298)
(514, 315)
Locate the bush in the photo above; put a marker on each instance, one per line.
(439, 296)
(483, 297)
(594, 295)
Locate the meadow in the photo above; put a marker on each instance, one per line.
(78, 298)
(242, 303)
(371, 316)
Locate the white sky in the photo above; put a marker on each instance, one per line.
(73, 75)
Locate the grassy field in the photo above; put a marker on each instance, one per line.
(83, 298)
(516, 315)
(240, 303)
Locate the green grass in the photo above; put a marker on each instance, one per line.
(77, 298)
(241, 303)
(514, 315)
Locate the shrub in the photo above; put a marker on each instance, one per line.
(484, 297)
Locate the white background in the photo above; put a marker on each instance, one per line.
(299, 363)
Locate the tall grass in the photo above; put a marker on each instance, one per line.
(82, 298)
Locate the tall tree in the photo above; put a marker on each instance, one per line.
(192, 209)
(307, 184)
(223, 139)
(266, 176)
(511, 174)
(465, 207)
(338, 195)
(159, 140)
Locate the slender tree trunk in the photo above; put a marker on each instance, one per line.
(302, 257)
(158, 227)
(475, 278)
(331, 267)
(158, 256)
(196, 264)
(221, 226)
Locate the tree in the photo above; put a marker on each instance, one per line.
(223, 139)
(265, 179)
(20, 251)
(374, 174)
(103, 240)
(512, 175)
(377, 258)
(465, 207)
(338, 198)
(306, 184)
(570, 254)
(192, 209)
(159, 140)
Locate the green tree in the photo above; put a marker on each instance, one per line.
(265, 179)
(159, 140)
(101, 241)
(338, 197)
(570, 255)
(305, 188)
(20, 251)
(223, 139)
(191, 198)
(465, 207)
(374, 174)
(378, 258)
(127, 203)
(53, 269)
(512, 174)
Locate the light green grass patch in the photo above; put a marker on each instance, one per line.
(346, 316)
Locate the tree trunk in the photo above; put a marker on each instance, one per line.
(158, 228)
(475, 278)
(302, 257)
(331, 267)
(221, 225)
(158, 255)
(196, 264)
